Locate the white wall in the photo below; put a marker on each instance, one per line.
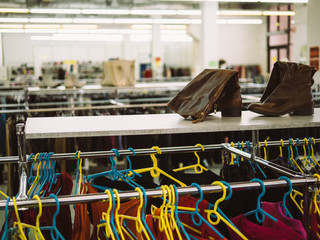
(243, 44)
(313, 31)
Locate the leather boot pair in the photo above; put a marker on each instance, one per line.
(212, 90)
(288, 91)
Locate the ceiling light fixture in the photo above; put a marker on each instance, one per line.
(50, 20)
(14, 10)
(11, 26)
(133, 20)
(254, 13)
(141, 26)
(106, 11)
(11, 30)
(40, 30)
(55, 11)
(14, 20)
(189, 12)
(42, 26)
(153, 12)
(74, 26)
(239, 21)
(92, 20)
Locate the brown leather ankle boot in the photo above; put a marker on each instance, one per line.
(288, 91)
(212, 90)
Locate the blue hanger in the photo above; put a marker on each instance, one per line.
(199, 216)
(259, 208)
(53, 229)
(143, 217)
(289, 154)
(31, 177)
(129, 170)
(284, 206)
(77, 174)
(4, 236)
(254, 165)
(112, 218)
(46, 173)
(179, 223)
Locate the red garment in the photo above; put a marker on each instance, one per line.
(63, 219)
(81, 229)
(275, 210)
(188, 201)
(276, 231)
(315, 220)
(127, 208)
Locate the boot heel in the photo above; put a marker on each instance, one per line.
(304, 111)
(231, 112)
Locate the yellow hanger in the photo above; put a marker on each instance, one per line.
(316, 207)
(38, 174)
(18, 222)
(155, 170)
(36, 229)
(312, 152)
(139, 225)
(116, 214)
(214, 211)
(198, 168)
(81, 179)
(292, 156)
(5, 195)
(265, 149)
(106, 217)
(293, 196)
(280, 147)
(242, 147)
(305, 159)
(231, 161)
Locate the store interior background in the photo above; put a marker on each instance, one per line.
(237, 44)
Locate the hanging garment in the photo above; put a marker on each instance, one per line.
(314, 223)
(188, 201)
(276, 211)
(63, 219)
(277, 230)
(127, 208)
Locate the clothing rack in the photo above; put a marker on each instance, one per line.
(87, 198)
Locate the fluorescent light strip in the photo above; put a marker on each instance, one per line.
(172, 21)
(11, 30)
(278, 13)
(42, 26)
(133, 20)
(106, 11)
(189, 12)
(11, 26)
(92, 20)
(55, 11)
(40, 30)
(50, 20)
(14, 20)
(153, 12)
(14, 10)
(239, 21)
(254, 13)
(73, 26)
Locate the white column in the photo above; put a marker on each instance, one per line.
(157, 51)
(313, 30)
(209, 44)
(126, 50)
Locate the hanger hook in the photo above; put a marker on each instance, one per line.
(197, 204)
(259, 197)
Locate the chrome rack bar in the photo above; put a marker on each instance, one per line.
(145, 151)
(265, 163)
(22, 161)
(87, 198)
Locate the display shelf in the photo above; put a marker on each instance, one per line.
(120, 125)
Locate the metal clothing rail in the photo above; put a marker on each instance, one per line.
(87, 198)
(146, 151)
(85, 108)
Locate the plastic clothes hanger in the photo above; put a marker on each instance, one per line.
(305, 159)
(259, 209)
(36, 229)
(138, 221)
(31, 177)
(35, 183)
(284, 206)
(5, 233)
(46, 173)
(155, 171)
(53, 229)
(198, 168)
(174, 211)
(129, 173)
(79, 176)
(291, 155)
(315, 202)
(162, 223)
(253, 164)
(293, 195)
(116, 214)
(194, 212)
(313, 142)
(215, 211)
(107, 218)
